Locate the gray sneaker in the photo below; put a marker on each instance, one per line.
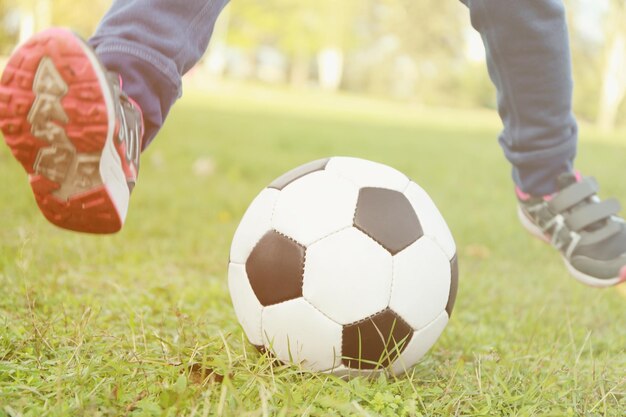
(587, 231)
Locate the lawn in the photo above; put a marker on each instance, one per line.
(141, 324)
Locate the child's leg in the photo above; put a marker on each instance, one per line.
(65, 118)
(528, 57)
(152, 43)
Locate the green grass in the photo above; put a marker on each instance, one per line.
(124, 325)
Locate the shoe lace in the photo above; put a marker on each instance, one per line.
(553, 227)
(129, 132)
(130, 117)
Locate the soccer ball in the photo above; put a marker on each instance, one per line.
(343, 265)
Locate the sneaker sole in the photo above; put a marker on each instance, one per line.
(58, 118)
(578, 275)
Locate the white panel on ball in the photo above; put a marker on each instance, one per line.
(298, 333)
(367, 173)
(420, 343)
(247, 308)
(315, 206)
(421, 282)
(255, 223)
(430, 218)
(347, 275)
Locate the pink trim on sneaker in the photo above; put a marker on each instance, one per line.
(525, 196)
(578, 176)
(522, 195)
(622, 275)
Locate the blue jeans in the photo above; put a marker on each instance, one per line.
(152, 43)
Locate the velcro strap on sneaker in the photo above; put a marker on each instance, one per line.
(591, 214)
(591, 238)
(572, 195)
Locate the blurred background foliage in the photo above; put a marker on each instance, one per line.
(420, 51)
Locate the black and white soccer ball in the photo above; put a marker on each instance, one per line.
(343, 264)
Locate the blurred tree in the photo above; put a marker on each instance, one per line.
(22, 19)
(34, 15)
(419, 42)
(587, 62)
(429, 29)
(9, 29)
(299, 28)
(614, 73)
(82, 16)
(408, 49)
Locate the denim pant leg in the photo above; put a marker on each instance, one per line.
(151, 44)
(529, 62)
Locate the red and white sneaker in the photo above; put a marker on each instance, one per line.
(77, 135)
